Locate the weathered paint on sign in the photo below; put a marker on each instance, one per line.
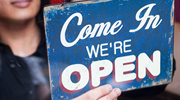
(125, 43)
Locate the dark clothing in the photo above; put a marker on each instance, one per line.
(19, 75)
(15, 78)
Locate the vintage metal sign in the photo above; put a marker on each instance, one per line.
(125, 43)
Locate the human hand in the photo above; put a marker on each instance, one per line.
(105, 92)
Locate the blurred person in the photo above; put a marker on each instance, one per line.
(23, 54)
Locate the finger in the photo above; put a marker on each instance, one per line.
(96, 93)
(112, 95)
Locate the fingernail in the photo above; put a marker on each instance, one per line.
(109, 88)
(115, 99)
(117, 91)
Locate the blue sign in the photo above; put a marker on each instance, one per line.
(125, 43)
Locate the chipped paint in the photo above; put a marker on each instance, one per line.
(171, 37)
(132, 88)
(62, 96)
(48, 46)
(46, 19)
(162, 82)
(172, 14)
(143, 41)
(95, 1)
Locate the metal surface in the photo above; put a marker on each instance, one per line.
(125, 43)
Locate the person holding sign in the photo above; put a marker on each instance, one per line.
(23, 53)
